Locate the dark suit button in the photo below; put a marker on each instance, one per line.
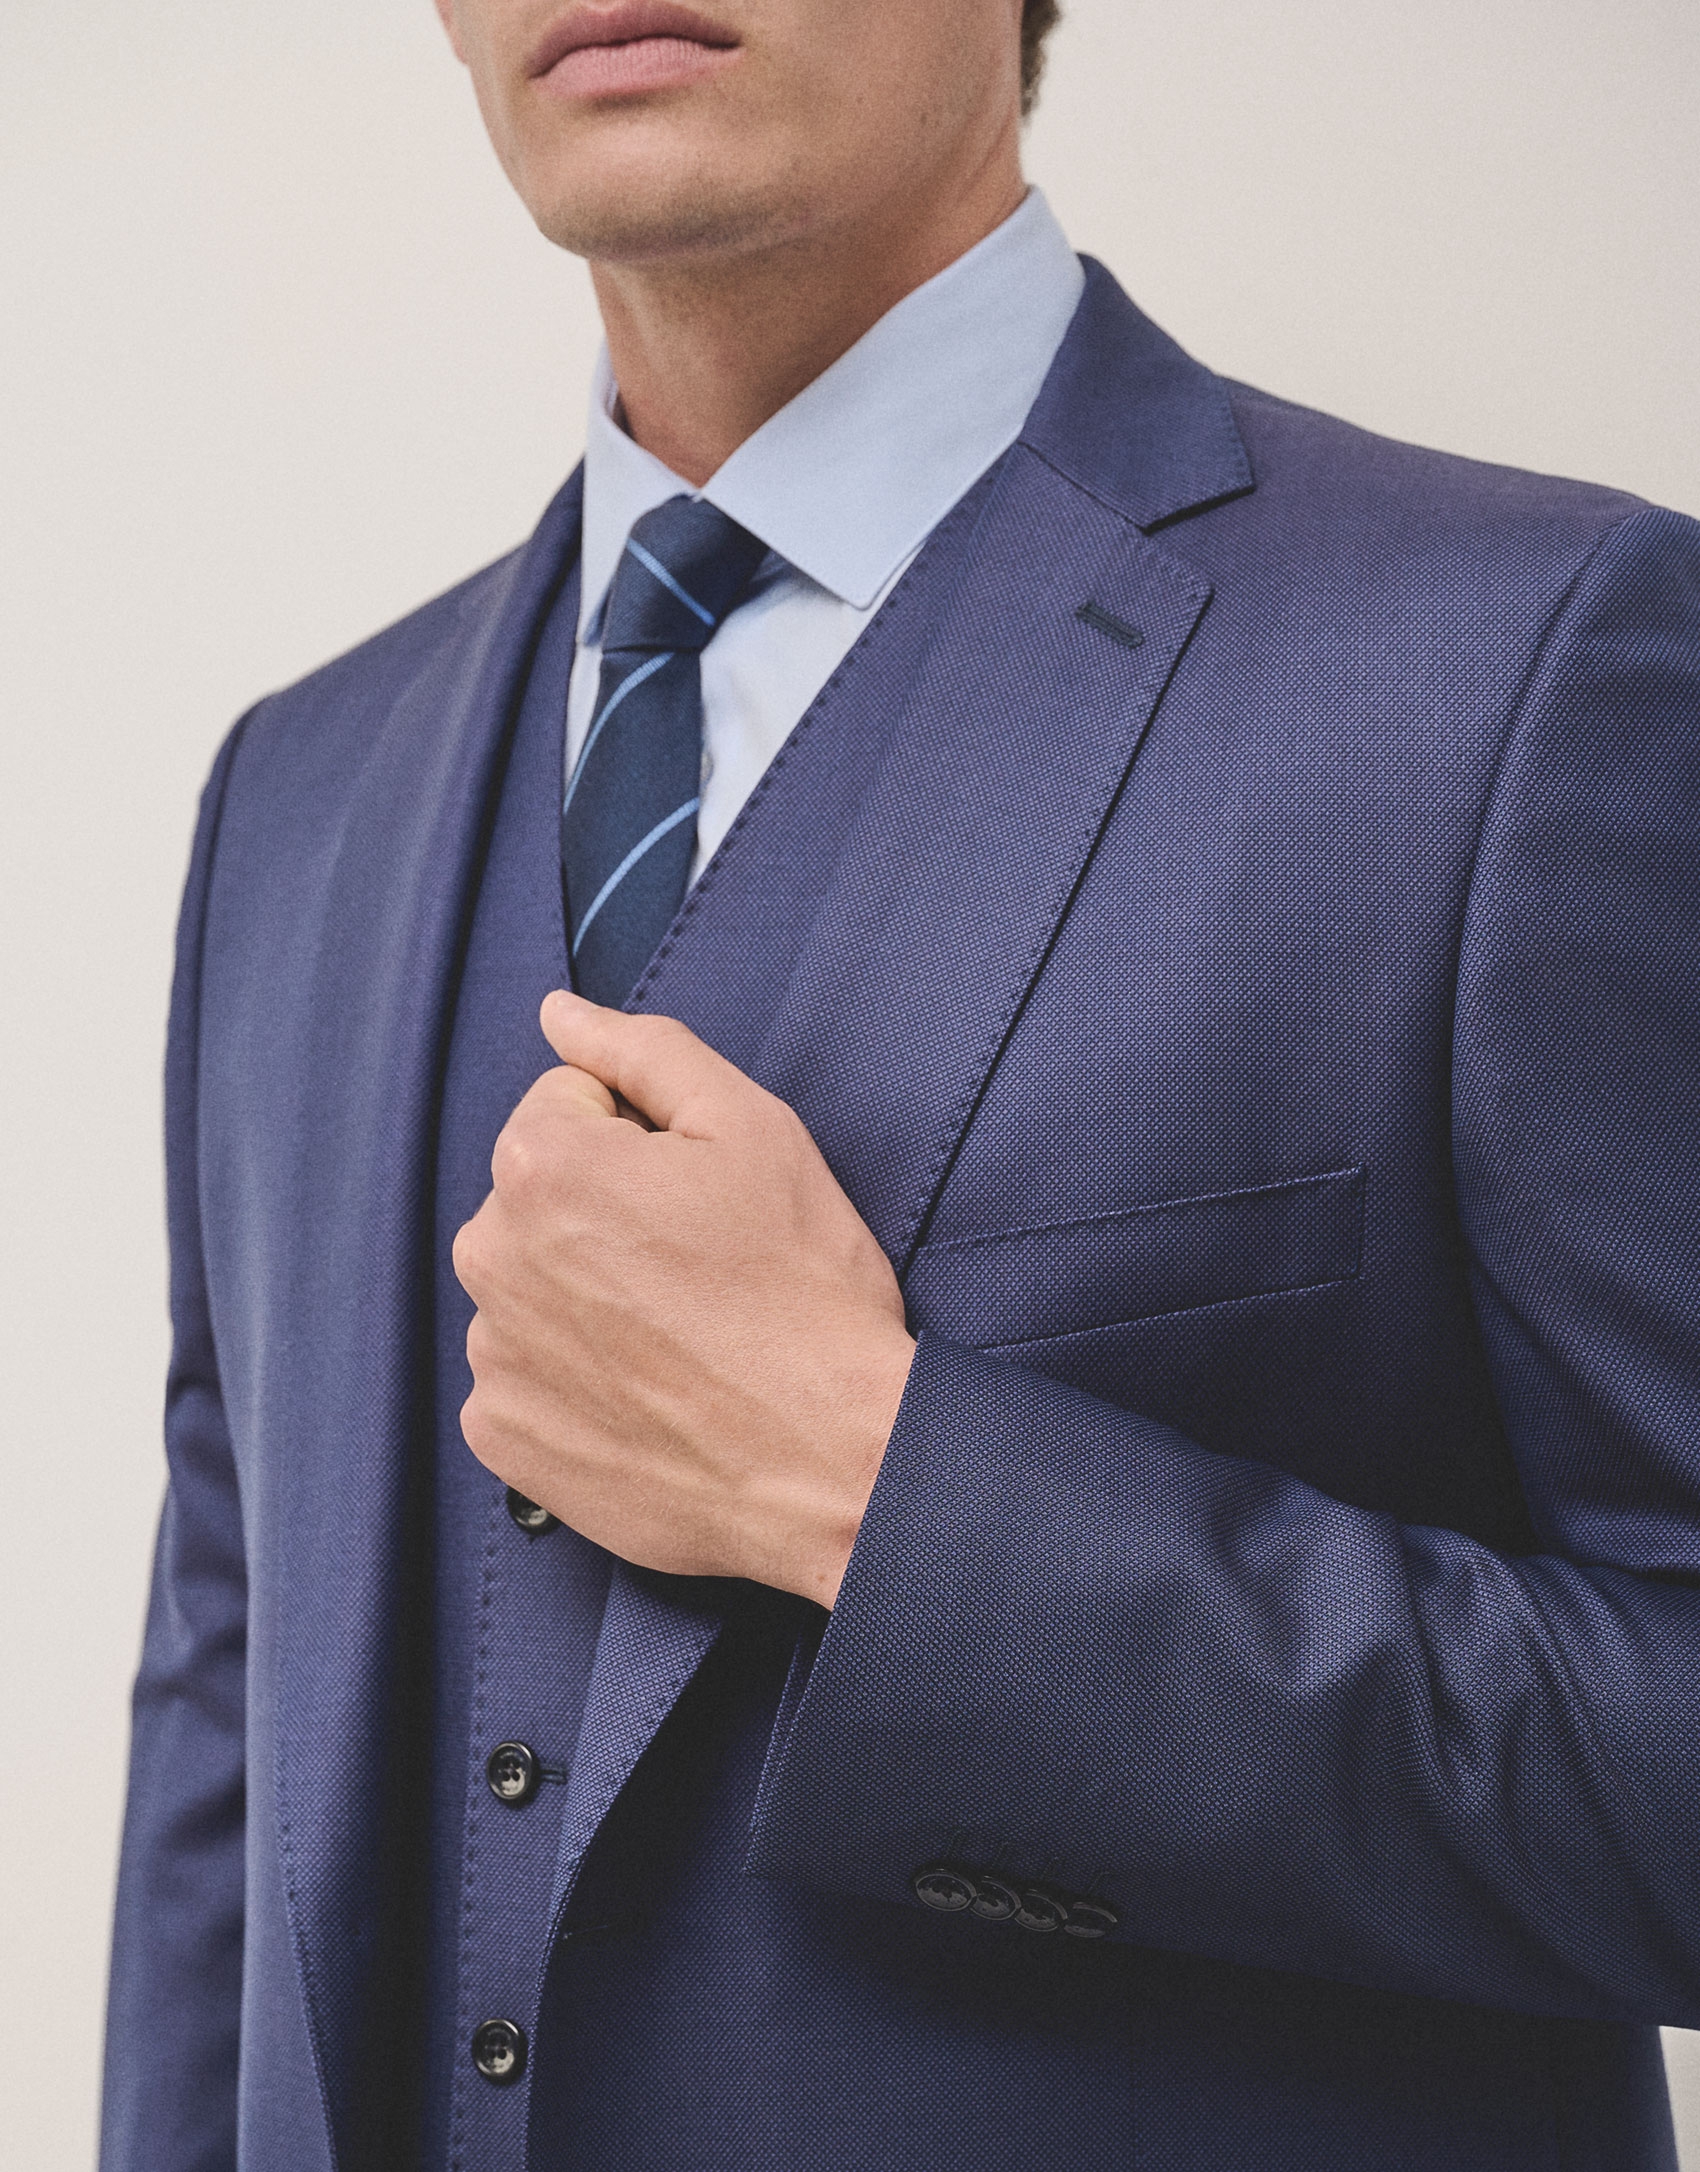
(498, 2051)
(944, 1888)
(529, 1516)
(1091, 1919)
(1040, 1910)
(513, 1772)
(995, 1902)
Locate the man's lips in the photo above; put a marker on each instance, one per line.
(638, 45)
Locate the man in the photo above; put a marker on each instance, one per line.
(1081, 1543)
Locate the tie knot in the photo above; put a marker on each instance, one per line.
(684, 567)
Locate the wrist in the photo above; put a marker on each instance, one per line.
(866, 1411)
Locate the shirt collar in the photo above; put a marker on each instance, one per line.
(849, 479)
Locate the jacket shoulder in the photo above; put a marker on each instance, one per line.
(1370, 483)
(1401, 600)
(365, 677)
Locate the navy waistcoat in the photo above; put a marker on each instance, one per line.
(513, 1618)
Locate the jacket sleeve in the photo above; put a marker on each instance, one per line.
(1274, 1729)
(175, 1991)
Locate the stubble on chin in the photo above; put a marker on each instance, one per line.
(681, 210)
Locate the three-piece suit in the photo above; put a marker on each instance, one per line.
(1232, 925)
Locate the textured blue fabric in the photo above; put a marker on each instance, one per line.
(628, 822)
(1258, 1018)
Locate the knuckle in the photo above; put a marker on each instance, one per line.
(476, 1429)
(515, 1163)
(781, 1128)
(479, 1350)
(469, 1257)
(664, 1033)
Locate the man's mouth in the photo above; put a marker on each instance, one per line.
(634, 47)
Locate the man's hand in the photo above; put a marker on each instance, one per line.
(688, 1344)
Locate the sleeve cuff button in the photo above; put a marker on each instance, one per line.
(942, 1886)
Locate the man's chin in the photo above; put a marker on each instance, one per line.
(655, 223)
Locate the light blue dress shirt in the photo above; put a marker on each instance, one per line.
(843, 485)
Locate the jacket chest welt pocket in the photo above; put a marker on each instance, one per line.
(1063, 1278)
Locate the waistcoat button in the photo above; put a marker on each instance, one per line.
(530, 1518)
(498, 2051)
(513, 1772)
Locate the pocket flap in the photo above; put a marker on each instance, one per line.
(1024, 1285)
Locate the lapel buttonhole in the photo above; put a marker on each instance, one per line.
(1118, 629)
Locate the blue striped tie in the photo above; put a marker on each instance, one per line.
(628, 826)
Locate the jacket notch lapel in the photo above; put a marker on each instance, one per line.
(1132, 419)
(1008, 761)
(1010, 754)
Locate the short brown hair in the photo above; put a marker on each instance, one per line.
(1038, 20)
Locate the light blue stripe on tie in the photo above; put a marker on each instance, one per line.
(648, 558)
(679, 814)
(626, 685)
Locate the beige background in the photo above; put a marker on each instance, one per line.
(279, 357)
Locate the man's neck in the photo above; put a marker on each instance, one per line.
(705, 351)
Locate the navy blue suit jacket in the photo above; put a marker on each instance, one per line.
(1254, 1001)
